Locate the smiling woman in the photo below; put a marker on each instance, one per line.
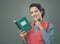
(42, 31)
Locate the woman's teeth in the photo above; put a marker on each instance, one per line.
(35, 16)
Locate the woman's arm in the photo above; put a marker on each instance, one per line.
(48, 35)
(25, 42)
(23, 36)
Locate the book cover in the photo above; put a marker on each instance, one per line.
(23, 24)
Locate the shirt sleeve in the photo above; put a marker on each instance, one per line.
(48, 35)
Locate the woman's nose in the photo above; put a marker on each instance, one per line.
(34, 13)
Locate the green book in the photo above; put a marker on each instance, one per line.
(23, 24)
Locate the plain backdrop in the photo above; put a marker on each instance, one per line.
(15, 9)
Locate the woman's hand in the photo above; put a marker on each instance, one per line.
(38, 24)
(22, 34)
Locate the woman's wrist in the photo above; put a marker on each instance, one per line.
(40, 27)
(24, 41)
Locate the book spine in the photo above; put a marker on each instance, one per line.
(16, 24)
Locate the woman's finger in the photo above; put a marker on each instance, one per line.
(20, 30)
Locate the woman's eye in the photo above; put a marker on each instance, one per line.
(31, 12)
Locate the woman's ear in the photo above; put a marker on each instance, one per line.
(41, 12)
(41, 15)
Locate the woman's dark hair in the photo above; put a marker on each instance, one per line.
(39, 7)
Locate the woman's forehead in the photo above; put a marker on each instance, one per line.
(33, 8)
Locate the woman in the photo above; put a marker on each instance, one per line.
(42, 32)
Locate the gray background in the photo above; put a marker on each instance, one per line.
(14, 9)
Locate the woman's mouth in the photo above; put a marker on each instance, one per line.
(35, 16)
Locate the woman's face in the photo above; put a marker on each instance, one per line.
(35, 13)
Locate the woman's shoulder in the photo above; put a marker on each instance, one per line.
(50, 26)
(49, 23)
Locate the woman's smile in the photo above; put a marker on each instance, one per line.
(35, 17)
